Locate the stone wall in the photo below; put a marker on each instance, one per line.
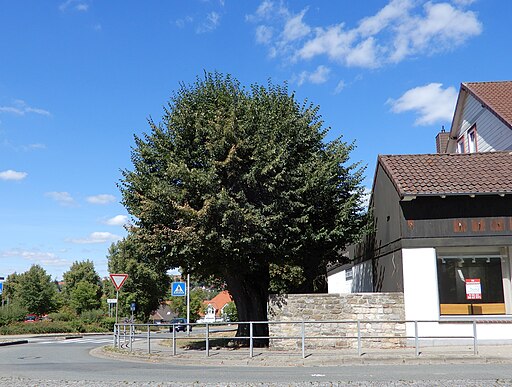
(332, 309)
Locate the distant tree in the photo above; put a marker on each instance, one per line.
(229, 312)
(238, 184)
(36, 291)
(9, 287)
(84, 296)
(146, 285)
(82, 286)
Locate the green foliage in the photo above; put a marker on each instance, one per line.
(12, 312)
(229, 313)
(236, 183)
(84, 296)
(146, 284)
(35, 290)
(54, 327)
(62, 315)
(92, 316)
(82, 286)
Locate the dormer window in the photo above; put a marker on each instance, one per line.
(472, 145)
(460, 145)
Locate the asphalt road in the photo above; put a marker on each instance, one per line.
(69, 361)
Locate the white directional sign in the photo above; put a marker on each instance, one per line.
(179, 289)
(118, 280)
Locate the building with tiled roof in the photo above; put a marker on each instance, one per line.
(449, 174)
(482, 121)
(442, 236)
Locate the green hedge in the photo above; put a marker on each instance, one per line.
(52, 327)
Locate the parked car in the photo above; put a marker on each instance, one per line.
(31, 318)
(180, 324)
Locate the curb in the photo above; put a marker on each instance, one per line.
(5, 343)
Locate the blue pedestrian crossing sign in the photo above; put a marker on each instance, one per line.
(179, 289)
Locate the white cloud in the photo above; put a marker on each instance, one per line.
(101, 199)
(320, 75)
(339, 87)
(264, 34)
(118, 220)
(20, 108)
(36, 256)
(77, 5)
(442, 28)
(295, 28)
(211, 23)
(97, 237)
(181, 23)
(63, 198)
(431, 102)
(12, 175)
(399, 30)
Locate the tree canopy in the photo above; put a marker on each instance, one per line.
(240, 184)
(34, 290)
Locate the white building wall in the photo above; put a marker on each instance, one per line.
(421, 299)
(492, 133)
(337, 283)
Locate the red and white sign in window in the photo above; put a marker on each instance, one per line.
(473, 289)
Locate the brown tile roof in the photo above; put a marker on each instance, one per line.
(497, 96)
(449, 174)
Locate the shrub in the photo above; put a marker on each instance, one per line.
(11, 313)
(108, 323)
(92, 316)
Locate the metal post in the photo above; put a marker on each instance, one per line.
(251, 343)
(359, 346)
(149, 340)
(131, 337)
(207, 340)
(117, 303)
(114, 341)
(475, 345)
(118, 336)
(303, 334)
(416, 338)
(188, 304)
(124, 335)
(174, 342)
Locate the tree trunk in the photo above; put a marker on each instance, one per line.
(250, 294)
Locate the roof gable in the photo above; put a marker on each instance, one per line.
(495, 96)
(449, 173)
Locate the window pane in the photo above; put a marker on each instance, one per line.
(453, 272)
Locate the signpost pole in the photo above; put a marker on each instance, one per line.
(117, 298)
(188, 304)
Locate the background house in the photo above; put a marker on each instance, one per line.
(482, 121)
(214, 307)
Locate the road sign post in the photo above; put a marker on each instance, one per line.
(118, 281)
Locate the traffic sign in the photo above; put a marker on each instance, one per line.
(179, 289)
(118, 280)
(1, 287)
(133, 305)
(111, 300)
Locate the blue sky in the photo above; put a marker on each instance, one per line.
(78, 78)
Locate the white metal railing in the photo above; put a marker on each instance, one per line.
(125, 333)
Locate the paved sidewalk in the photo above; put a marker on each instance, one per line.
(271, 358)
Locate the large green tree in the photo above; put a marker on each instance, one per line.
(241, 184)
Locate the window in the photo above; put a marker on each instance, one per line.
(470, 284)
(472, 146)
(460, 145)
